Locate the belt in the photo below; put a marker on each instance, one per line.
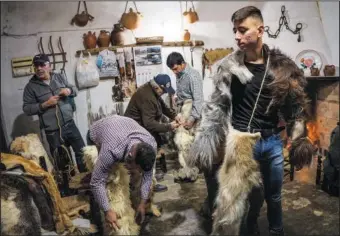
(264, 132)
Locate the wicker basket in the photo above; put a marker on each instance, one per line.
(150, 40)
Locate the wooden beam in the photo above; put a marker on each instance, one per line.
(196, 43)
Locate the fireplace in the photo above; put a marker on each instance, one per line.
(323, 93)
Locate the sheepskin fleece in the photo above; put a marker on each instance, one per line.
(62, 221)
(237, 176)
(183, 140)
(30, 147)
(118, 193)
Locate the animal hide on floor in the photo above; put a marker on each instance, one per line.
(118, 192)
(19, 213)
(62, 221)
(30, 147)
(183, 139)
(237, 176)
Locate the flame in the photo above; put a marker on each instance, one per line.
(312, 132)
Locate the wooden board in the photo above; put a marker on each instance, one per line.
(196, 43)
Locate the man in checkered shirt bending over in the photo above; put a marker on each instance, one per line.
(121, 139)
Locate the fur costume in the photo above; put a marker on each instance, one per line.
(183, 139)
(31, 148)
(237, 176)
(62, 220)
(289, 100)
(118, 191)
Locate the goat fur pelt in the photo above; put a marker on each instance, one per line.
(237, 176)
(19, 213)
(118, 192)
(288, 100)
(62, 221)
(183, 139)
(30, 147)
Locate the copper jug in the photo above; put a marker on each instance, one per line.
(90, 40)
(104, 38)
(186, 36)
(117, 35)
(329, 70)
(131, 20)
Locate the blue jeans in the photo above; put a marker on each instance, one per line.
(269, 153)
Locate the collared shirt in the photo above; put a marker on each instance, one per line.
(116, 135)
(190, 86)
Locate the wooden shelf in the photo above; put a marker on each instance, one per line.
(322, 78)
(196, 43)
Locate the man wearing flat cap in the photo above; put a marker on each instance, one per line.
(147, 108)
(48, 95)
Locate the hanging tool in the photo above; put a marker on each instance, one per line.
(192, 58)
(41, 47)
(50, 47)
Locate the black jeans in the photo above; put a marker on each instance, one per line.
(72, 137)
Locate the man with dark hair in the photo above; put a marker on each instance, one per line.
(189, 85)
(254, 86)
(147, 107)
(49, 95)
(121, 139)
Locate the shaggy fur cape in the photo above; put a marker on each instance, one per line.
(238, 174)
(288, 99)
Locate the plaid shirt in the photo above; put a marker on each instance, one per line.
(190, 86)
(116, 135)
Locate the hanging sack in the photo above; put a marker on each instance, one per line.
(86, 72)
(107, 64)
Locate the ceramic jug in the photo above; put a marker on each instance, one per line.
(329, 70)
(90, 40)
(117, 35)
(104, 38)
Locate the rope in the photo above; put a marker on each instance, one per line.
(70, 166)
(258, 95)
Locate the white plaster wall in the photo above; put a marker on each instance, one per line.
(42, 19)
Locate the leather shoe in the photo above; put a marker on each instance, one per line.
(160, 188)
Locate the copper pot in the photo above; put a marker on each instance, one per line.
(329, 70)
(82, 18)
(90, 40)
(117, 35)
(104, 38)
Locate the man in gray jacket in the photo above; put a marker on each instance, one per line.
(48, 95)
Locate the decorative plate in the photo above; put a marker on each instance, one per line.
(308, 59)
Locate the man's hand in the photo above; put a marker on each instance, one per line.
(174, 125)
(111, 219)
(65, 92)
(189, 124)
(52, 101)
(140, 214)
(179, 119)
